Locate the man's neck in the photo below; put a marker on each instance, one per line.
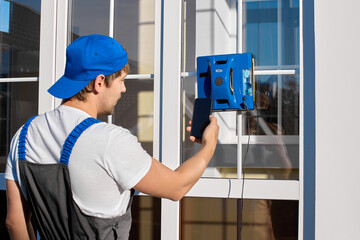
(85, 106)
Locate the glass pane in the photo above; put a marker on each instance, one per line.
(273, 155)
(18, 104)
(134, 29)
(209, 29)
(146, 218)
(19, 57)
(256, 220)
(88, 17)
(135, 111)
(271, 34)
(19, 38)
(277, 103)
(271, 31)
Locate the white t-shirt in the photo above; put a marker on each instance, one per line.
(106, 161)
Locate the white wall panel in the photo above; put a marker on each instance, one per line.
(337, 52)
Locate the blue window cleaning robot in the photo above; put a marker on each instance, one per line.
(228, 80)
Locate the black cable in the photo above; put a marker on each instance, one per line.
(242, 169)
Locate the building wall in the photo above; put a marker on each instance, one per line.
(337, 51)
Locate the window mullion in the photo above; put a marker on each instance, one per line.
(47, 54)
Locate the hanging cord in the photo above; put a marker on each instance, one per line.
(242, 168)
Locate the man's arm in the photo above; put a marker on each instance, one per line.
(161, 181)
(18, 213)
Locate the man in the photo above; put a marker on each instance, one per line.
(76, 174)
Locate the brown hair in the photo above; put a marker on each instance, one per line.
(81, 96)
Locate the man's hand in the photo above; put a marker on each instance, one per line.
(210, 134)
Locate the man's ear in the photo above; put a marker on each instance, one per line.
(99, 83)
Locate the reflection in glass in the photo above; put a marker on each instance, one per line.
(88, 17)
(135, 111)
(17, 104)
(19, 57)
(19, 38)
(272, 161)
(223, 219)
(276, 116)
(271, 31)
(134, 29)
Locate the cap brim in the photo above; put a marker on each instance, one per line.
(66, 88)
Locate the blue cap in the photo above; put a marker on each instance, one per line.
(86, 58)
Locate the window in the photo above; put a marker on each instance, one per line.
(270, 31)
(259, 149)
(19, 72)
(19, 68)
(134, 28)
(132, 24)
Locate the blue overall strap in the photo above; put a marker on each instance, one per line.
(22, 139)
(73, 137)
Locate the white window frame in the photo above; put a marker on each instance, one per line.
(171, 27)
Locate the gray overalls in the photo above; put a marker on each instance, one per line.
(48, 192)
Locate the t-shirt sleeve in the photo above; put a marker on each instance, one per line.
(11, 166)
(127, 162)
